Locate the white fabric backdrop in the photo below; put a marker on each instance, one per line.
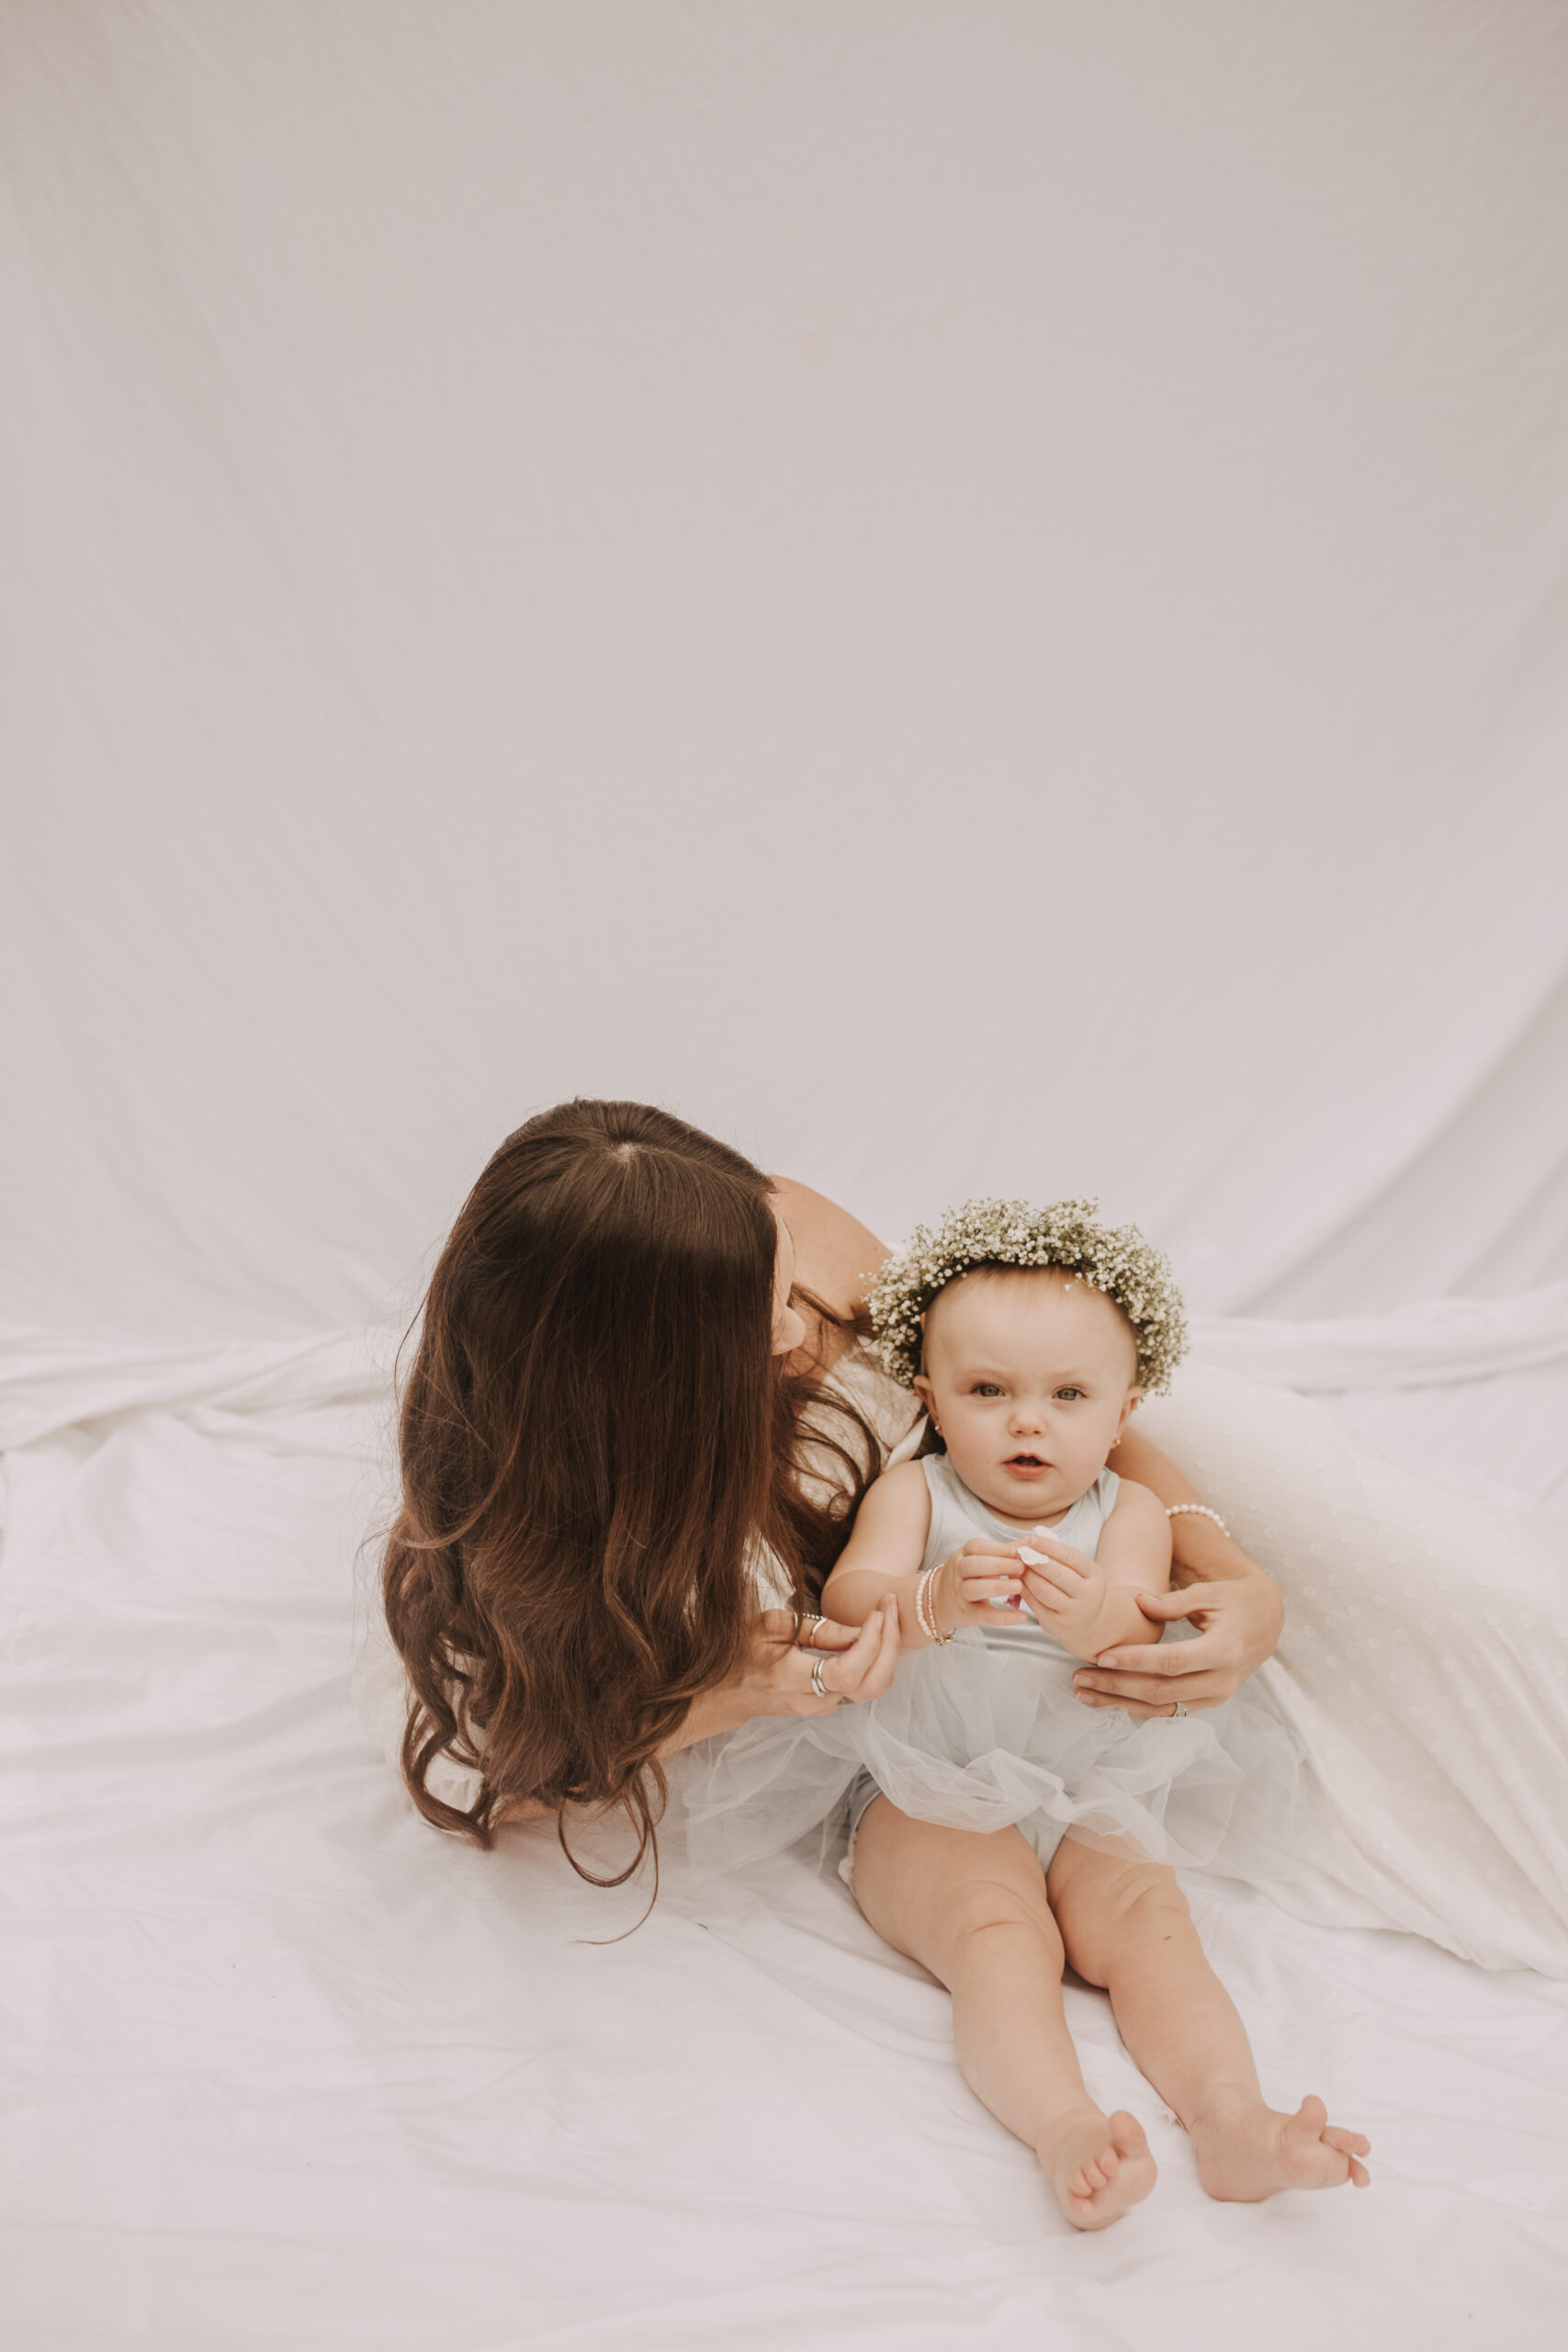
(972, 596)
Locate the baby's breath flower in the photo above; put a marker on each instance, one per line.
(1113, 1258)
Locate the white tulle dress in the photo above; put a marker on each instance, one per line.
(984, 1733)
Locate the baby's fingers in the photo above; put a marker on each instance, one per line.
(1060, 1572)
(990, 1586)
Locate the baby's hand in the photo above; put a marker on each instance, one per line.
(1065, 1589)
(981, 1585)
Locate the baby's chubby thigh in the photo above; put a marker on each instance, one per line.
(1101, 1900)
(929, 1891)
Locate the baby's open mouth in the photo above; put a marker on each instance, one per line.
(1027, 1462)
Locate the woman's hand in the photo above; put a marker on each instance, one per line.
(857, 1663)
(1238, 1621)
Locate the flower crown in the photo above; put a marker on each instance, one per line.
(1114, 1259)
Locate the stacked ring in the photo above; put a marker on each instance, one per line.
(819, 1686)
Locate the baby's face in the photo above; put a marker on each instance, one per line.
(1028, 1375)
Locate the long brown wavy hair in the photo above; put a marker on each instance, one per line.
(595, 1434)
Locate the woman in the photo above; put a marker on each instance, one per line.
(635, 1428)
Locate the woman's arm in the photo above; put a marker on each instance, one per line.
(1237, 1610)
(1200, 1554)
(775, 1678)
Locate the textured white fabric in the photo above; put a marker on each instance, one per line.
(1424, 1664)
(745, 562)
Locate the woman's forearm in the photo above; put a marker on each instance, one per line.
(1200, 1551)
(710, 1713)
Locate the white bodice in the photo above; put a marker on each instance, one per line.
(956, 1515)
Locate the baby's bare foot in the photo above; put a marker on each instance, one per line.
(1246, 2151)
(1098, 2167)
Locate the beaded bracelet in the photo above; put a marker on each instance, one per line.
(925, 1611)
(1203, 1511)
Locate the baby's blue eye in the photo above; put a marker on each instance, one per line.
(1070, 1392)
(986, 1388)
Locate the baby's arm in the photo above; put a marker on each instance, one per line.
(884, 1555)
(1091, 1605)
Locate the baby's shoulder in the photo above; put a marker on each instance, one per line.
(1128, 1500)
(903, 1478)
(900, 1496)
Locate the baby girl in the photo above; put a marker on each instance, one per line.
(1015, 1554)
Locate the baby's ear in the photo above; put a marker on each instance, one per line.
(1130, 1405)
(923, 1390)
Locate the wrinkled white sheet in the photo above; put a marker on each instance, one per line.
(286, 2068)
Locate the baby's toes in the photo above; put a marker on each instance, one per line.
(1360, 2176)
(1349, 2144)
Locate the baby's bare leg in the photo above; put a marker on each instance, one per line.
(973, 1910)
(1126, 1926)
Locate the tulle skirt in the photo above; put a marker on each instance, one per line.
(976, 1739)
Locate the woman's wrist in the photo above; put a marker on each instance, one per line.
(1200, 1554)
(711, 1712)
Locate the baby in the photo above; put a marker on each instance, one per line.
(1030, 1336)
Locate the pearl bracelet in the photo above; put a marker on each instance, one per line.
(925, 1609)
(1203, 1511)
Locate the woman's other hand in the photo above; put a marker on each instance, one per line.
(1238, 1622)
(856, 1662)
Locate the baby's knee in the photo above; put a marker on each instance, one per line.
(1102, 1907)
(989, 1907)
(1153, 1895)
